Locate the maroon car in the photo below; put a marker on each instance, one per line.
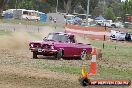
(60, 45)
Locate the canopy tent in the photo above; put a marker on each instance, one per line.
(100, 18)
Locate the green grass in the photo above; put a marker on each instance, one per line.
(122, 50)
(121, 56)
(26, 22)
(113, 73)
(62, 68)
(6, 32)
(104, 72)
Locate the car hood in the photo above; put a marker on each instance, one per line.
(46, 42)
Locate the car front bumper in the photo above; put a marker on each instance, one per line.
(44, 51)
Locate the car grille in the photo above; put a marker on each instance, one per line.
(46, 46)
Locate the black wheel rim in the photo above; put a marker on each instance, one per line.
(83, 55)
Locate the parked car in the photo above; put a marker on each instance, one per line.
(117, 35)
(113, 34)
(121, 36)
(69, 19)
(110, 24)
(60, 45)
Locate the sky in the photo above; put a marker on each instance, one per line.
(123, 0)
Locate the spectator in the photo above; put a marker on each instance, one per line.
(54, 20)
(50, 18)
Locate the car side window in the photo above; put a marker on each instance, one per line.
(71, 39)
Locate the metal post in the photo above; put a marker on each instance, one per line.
(104, 37)
(38, 28)
(14, 29)
(87, 12)
(57, 6)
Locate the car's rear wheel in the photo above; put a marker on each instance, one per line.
(34, 55)
(83, 55)
(113, 26)
(59, 54)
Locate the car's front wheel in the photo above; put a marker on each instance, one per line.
(34, 55)
(83, 55)
(59, 54)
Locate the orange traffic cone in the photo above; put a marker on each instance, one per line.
(92, 69)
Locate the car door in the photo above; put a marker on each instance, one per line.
(69, 49)
(79, 47)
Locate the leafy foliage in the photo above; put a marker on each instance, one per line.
(109, 14)
(93, 4)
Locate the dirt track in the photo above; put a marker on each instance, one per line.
(19, 70)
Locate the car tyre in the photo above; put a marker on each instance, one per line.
(83, 55)
(35, 55)
(113, 26)
(59, 54)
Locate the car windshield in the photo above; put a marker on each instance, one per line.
(69, 17)
(57, 37)
(122, 33)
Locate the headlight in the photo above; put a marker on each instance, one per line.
(52, 47)
(32, 45)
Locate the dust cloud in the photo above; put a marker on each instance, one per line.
(21, 39)
(82, 39)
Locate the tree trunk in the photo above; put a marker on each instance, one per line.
(2, 4)
(67, 5)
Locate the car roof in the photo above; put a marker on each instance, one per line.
(63, 33)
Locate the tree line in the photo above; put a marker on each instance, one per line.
(110, 9)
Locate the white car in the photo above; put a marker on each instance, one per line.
(109, 23)
(117, 35)
(113, 34)
(69, 18)
(120, 36)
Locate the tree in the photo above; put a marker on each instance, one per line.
(117, 9)
(2, 4)
(93, 4)
(109, 14)
(127, 7)
(67, 5)
(26, 4)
